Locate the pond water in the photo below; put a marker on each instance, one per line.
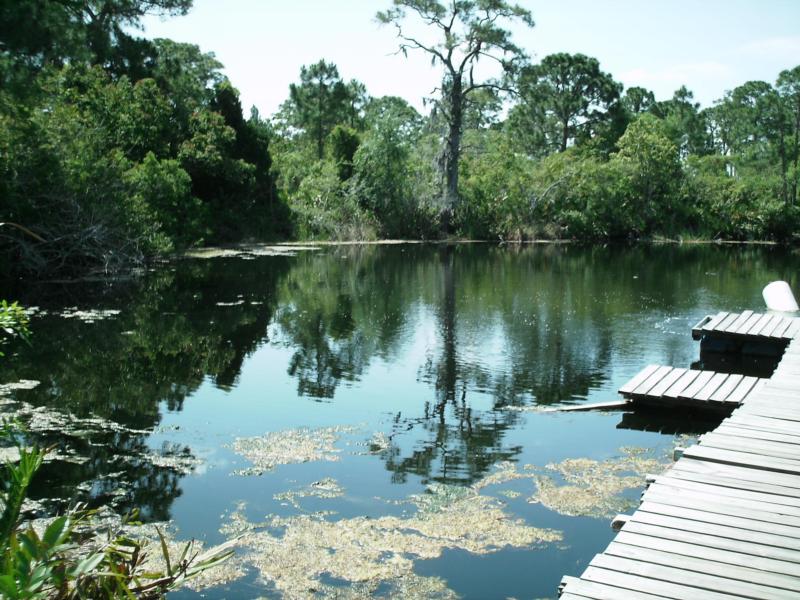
(370, 418)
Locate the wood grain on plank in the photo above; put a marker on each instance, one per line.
(749, 324)
(726, 321)
(699, 383)
(686, 577)
(754, 461)
(651, 381)
(738, 322)
(712, 386)
(706, 565)
(712, 501)
(749, 547)
(726, 389)
(714, 321)
(600, 591)
(681, 384)
(627, 581)
(638, 379)
(742, 389)
(759, 325)
(667, 382)
(716, 554)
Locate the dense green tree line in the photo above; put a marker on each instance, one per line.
(575, 156)
(115, 148)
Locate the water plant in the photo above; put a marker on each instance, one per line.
(81, 554)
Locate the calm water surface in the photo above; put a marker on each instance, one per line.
(434, 361)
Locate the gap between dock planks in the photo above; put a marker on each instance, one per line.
(724, 520)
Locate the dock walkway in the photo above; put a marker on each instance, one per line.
(724, 520)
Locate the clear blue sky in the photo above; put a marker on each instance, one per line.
(709, 45)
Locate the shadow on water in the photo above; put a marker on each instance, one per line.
(738, 363)
(685, 422)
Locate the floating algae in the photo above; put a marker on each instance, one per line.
(298, 553)
(247, 251)
(510, 494)
(379, 442)
(9, 454)
(22, 384)
(581, 486)
(237, 523)
(325, 489)
(594, 488)
(408, 586)
(290, 446)
(181, 461)
(46, 421)
(503, 472)
(87, 316)
(225, 572)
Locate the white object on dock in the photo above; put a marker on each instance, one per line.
(778, 296)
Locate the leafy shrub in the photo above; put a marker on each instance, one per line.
(324, 210)
(166, 189)
(344, 142)
(74, 557)
(496, 185)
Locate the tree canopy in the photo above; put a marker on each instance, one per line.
(465, 33)
(564, 98)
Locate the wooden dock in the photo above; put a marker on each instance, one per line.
(724, 520)
(662, 386)
(747, 332)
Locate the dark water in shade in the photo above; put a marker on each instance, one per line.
(435, 346)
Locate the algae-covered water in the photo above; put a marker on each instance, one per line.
(369, 419)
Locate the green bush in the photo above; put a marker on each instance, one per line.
(497, 189)
(166, 189)
(323, 208)
(738, 208)
(344, 142)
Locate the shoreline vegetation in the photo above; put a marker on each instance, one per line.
(116, 149)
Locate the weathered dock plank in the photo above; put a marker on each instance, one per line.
(667, 386)
(663, 493)
(724, 556)
(646, 584)
(638, 379)
(724, 488)
(738, 580)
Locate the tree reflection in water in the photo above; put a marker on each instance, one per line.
(499, 327)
